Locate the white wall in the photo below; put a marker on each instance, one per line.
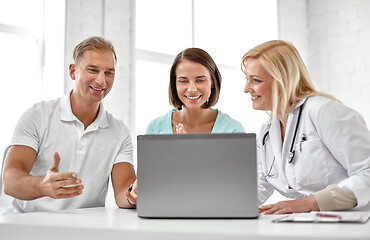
(333, 37)
(340, 51)
(293, 25)
(112, 20)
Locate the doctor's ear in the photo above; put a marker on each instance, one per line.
(72, 70)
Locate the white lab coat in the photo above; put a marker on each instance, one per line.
(332, 146)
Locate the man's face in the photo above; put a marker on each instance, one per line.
(94, 75)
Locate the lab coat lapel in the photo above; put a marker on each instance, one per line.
(281, 150)
(276, 141)
(289, 133)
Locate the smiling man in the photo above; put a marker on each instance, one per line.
(63, 151)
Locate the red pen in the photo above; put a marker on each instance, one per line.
(328, 215)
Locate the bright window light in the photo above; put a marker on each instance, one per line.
(31, 59)
(163, 25)
(225, 29)
(21, 76)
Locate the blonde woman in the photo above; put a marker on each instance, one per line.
(313, 149)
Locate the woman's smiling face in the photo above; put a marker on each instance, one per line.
(193, 84)
(258, 85)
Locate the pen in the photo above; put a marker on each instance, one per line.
(328, 215)
(304, 138)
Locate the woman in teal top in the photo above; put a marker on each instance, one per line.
(223, 124)
(195, 84)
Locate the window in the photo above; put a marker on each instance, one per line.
(32, 52)
(225, 29)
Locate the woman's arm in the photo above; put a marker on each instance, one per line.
(345, 134)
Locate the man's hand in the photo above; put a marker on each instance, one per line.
(19, 183)
(132, 196)
(60, 185)
(306, 204)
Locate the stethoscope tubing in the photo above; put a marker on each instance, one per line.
(291, 151)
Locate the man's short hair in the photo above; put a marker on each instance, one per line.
(91, 43)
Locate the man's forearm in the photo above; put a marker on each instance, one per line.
(21, 185)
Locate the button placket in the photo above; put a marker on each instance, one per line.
(81, 144)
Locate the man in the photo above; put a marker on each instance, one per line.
(63, 151)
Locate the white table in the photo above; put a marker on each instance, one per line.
(114, 223)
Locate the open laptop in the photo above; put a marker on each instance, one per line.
(197, 176)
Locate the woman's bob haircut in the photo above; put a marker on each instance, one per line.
(200, 56)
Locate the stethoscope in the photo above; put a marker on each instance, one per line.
(291, 151)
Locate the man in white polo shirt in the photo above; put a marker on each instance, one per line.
(63, 151)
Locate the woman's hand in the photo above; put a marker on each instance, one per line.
(306, 204)
(132, 195)
(180, 128)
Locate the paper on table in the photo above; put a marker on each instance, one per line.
(326, 217)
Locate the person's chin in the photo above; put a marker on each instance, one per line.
(256, 107)
(97, 98)
(193, 105)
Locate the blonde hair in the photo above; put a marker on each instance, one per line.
(97, 43)
(292, 82)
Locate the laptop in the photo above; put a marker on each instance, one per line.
(197, 176)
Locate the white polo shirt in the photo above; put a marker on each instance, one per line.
(50, 127)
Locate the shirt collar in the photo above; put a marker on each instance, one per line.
(301, 103)
(65, 108)
(101, 120)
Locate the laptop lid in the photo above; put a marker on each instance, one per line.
(197, 176)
